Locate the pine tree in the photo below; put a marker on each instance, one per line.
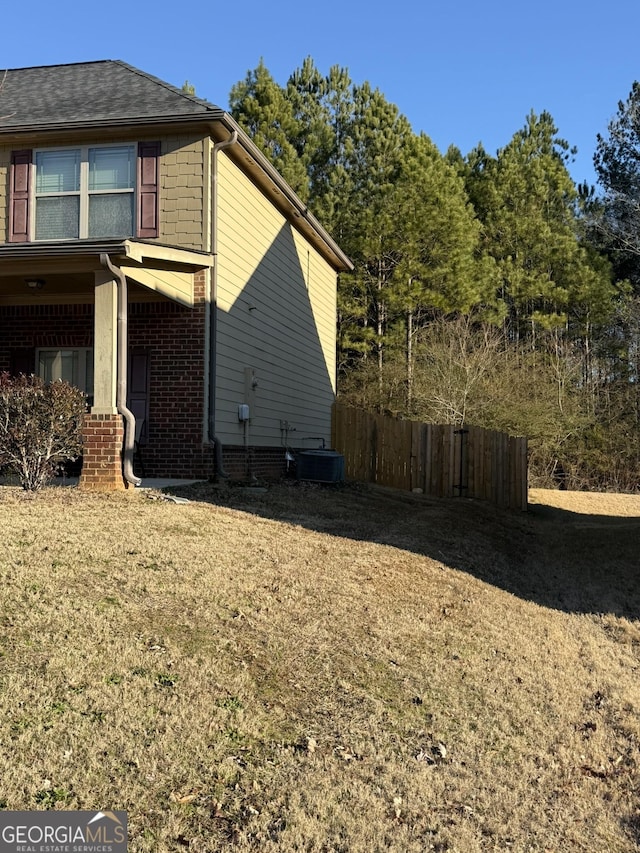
(528, 204)
(616, 215)
(261, 107)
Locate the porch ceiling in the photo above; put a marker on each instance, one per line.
(68, 271)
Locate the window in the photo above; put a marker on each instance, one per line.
(74, 366)
(85, 192)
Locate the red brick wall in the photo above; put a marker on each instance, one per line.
(101, 455)
(263, 463)
(44, 326)
(173, 337)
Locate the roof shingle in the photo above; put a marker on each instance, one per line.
(107, 90)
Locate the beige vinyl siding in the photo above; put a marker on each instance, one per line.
(184, 186)
(183, 191)
(276, 315)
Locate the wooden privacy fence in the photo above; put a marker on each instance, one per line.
(441, 460)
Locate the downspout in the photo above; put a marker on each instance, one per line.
(121, 386)
(213, 312)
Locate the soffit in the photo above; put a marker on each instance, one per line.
(165, 269)
(68, 271)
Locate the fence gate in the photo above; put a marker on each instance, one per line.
(438, 459)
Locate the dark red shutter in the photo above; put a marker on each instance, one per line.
(19, 181)
(148, 159)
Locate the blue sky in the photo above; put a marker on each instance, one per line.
(463, 73)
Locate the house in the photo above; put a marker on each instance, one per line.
(151, 255)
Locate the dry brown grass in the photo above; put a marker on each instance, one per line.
(324, 669)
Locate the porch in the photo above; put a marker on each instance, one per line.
(105, 315)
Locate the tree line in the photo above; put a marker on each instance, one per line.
(488, 289)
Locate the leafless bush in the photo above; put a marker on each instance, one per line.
(40, 427)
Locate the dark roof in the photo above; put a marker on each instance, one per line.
(105, 91)
(110, 93)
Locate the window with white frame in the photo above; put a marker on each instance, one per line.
(85, 192)
(74, 366)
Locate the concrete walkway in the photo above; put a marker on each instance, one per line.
(165, 483)
(147, 482)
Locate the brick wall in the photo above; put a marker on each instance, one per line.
(173, 338)
(34, 326)
(263, 463)
(102, 461)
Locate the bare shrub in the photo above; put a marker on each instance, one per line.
(40, 427)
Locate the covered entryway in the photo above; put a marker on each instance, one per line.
(64, 315)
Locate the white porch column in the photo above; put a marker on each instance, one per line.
(105, 345)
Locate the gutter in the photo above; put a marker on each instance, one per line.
(203, 116)
(212, 119)
(213, 304)
(121, 387)
(300, 210)
(17, 251)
